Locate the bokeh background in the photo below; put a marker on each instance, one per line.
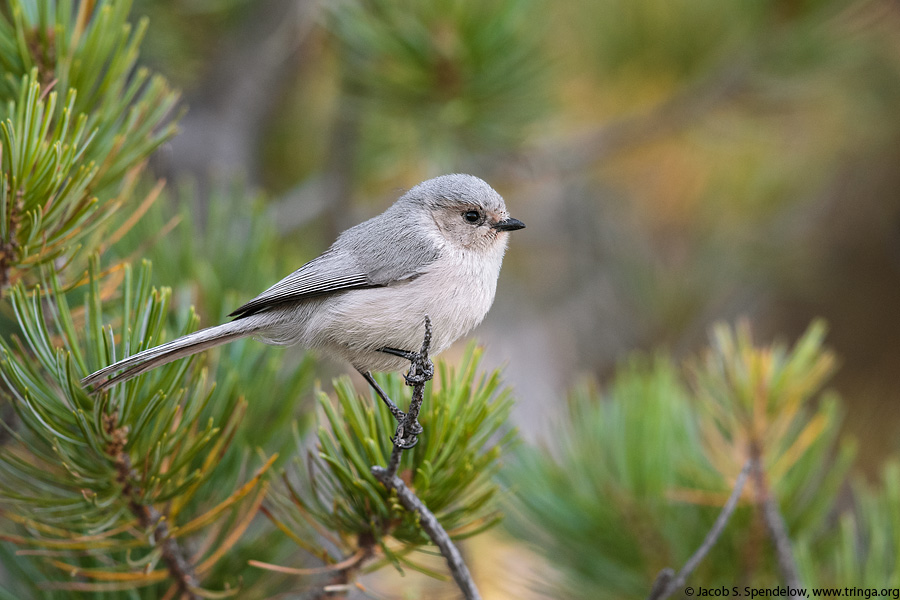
(677, 162)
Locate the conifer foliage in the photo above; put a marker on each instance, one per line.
(232, 475)
(162, 486)
(77, 123)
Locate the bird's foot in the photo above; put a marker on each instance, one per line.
(405, 354)
(421, 369)
(406, 436)
(406, 443)
(419, 372)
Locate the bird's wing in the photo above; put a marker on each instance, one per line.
(319, 276)
(352, 263)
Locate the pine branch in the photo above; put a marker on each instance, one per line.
(435, 531)
(478, 85)
(351, 506)
(148, 516)
(132, 449)
(420, 372)
(775, 525)
(667, 582)
(70, 157)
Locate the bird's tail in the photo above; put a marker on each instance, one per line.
(151, 358)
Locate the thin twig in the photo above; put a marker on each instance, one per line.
(149, 518)
(420, 372)
(173, 555)
(776, 528)
(435, 531)
(665, 585)
(661, 585)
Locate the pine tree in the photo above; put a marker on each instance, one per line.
(644, 470)
(164, 486)
(235, 474)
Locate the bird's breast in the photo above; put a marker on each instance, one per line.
(460, 291)
(455, 291)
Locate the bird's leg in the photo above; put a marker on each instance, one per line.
(399, 415)
(421, 370)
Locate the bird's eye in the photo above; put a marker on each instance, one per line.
(472, 216)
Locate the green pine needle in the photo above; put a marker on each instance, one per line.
(65, 166)
(465, 417)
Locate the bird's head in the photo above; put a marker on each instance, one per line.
(464, 211)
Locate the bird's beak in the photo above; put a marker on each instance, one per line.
(508, 224)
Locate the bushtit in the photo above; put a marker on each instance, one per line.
(436, 251)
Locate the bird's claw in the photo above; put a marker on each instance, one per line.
(424, 371)
(421, 369)
(405, 354)
(407, 434)
(405, 443)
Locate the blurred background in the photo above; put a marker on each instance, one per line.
(677, 162)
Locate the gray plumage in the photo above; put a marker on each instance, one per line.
(436, 251)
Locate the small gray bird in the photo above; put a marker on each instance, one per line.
(436, 251)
